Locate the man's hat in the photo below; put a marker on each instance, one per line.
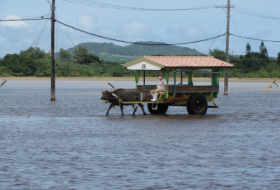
(160, 74)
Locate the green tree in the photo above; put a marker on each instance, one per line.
(219, 54)
(278, 58)
(64, 54)
(248, 50)
(263, 52)
(83, 57)
(34, 53)
(250, 64)
(20, 65)
(43, 67)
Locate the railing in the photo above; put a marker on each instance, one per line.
(182, 88)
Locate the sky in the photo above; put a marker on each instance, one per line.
(249, 18)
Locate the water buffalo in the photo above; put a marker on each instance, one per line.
(116, 98)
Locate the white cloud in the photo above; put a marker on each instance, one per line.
(193, 32)
(107, 32)
(15, 24)
(135, 28)
(87, 22)
(190, 33)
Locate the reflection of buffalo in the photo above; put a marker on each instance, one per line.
(117, 96)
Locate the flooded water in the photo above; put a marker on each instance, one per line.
(70, 144)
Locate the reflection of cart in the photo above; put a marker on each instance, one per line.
(194, 97)
(2, 83)
(274, 82)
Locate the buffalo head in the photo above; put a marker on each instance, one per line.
(106, 95)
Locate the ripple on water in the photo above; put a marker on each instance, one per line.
(70, 144)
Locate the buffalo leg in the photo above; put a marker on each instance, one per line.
(142, 106)
(121, 106)
(134, 109)
(109, 109)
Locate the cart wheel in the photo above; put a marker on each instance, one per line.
(162, 109)
(197, 105)
(150, 108)
(189, 105)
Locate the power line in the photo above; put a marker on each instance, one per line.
(35, 17)
(139, 43)
(112, 6)
(254, 38)
(268, 2)
(28, 19)
(39, 36)
(237, 29)
(252, 13)
(49, 3)
(68, 37)
(218, 32)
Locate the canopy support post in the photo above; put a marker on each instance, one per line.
(190, 82)
(166, 77)
(144, 77)
(181, 78)
(174, 82)
(136, 79)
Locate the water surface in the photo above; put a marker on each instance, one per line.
(70, 144)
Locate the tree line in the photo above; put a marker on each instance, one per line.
(252, 64)
(35, 62)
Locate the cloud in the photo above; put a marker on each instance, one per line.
(87, 22)
(15, 24)
(13, 40)
(193, 32)
(135, 28)
(107, 32)
(190, 33)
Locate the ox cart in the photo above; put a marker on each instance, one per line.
(194, 97)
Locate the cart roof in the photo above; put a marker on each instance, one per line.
(176, 62)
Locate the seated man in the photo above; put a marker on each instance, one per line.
(161, 87)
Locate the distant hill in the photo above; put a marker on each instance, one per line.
(111, 52)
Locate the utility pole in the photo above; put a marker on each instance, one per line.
(227, 45)
(227, 50)
(52, 53)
